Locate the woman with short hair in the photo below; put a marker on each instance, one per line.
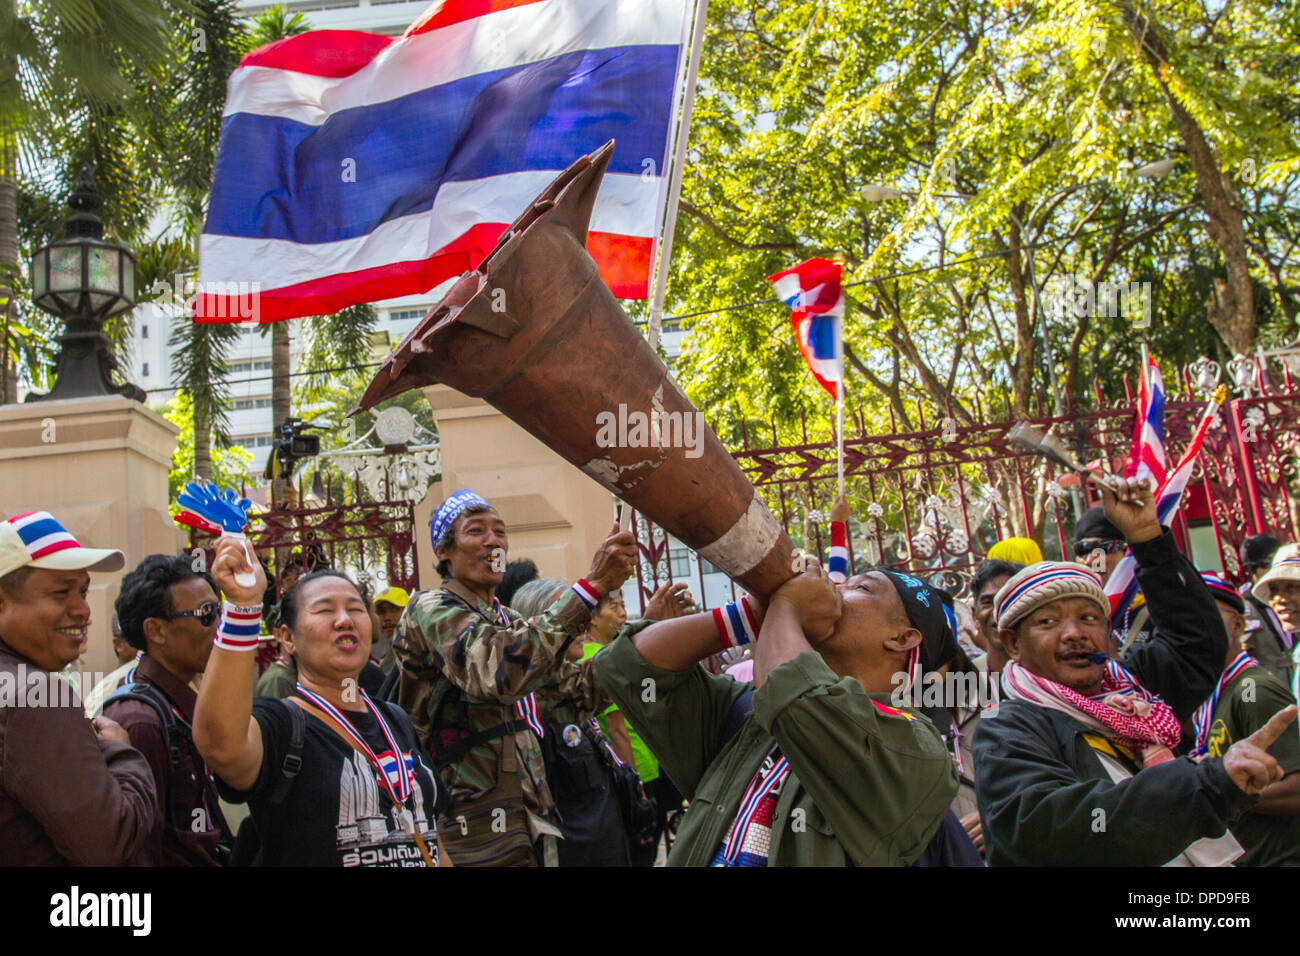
(331, 777)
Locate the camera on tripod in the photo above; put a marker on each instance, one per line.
(291, 446)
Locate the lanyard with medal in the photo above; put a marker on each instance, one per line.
(396, 784)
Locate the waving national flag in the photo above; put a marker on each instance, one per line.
(812, 290)
(1147, 459)
(1122, 586)
(354, 167)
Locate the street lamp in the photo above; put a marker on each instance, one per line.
(84, 281)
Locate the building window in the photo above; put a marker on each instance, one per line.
(144, 331)
(406, 314)
(144, 370)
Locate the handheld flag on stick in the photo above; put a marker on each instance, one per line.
(1121, 586)
(1147, 459)
(208, 508)
(812, 289)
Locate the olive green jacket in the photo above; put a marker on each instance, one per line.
(868, 784)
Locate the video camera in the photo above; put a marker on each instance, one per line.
(290, 446)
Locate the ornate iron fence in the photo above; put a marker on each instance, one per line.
(933, 499)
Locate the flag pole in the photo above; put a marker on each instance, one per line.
(675, 190)
(839, 428)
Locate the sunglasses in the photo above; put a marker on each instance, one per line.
(1085, 547)
(206, 613)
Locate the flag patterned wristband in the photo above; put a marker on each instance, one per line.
(735, 623)
(590, 596)
(239, 627)
(837, 565)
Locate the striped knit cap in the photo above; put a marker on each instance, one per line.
(1041, 583)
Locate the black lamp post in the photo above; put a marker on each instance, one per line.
(84, 281)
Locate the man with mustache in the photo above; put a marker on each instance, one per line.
(1077, 768)
(72, 791)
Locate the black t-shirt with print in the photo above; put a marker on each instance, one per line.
(336, 812)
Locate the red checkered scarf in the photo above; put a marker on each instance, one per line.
(1125, 712)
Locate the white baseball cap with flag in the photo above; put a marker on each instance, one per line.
(37, 540)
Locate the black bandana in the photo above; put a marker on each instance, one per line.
(928, 610)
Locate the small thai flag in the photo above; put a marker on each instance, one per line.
(812, 290)
(1147, 458)
(1122, 585)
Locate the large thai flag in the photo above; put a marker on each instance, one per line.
(1122, 586)
(1147, 458)
(812, 289)
(354, 167)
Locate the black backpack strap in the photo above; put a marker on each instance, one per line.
(292, 762)
(150, 695)
(176, 734)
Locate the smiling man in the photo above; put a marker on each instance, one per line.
(72, 791)
(470, 668)
(1280, 588)
(170, 611)
(1077, 768)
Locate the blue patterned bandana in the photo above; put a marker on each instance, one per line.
(450, 510)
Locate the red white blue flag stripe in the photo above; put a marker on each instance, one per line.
(759, 787)
(812, 289)
(397, 784)
(354, 167)
(1205, 713)
(525, 707)
(1147, 458)
(1122, 586)
(41, 534)
(837, 557)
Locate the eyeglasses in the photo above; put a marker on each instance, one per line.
(1088, 545)
(206, 613)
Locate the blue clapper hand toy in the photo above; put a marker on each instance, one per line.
(223, 509)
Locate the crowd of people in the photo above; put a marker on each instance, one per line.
(508, 719)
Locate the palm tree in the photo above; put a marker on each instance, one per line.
(190, 132)
(55, 53)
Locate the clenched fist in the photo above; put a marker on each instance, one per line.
(614, 562)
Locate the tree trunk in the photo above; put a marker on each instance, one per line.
(280, 402)
(8, 241)
(281, 405)
(1022, 382)
(202, 443)
(1232, 307)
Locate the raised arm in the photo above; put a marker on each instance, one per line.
(225, 732)
(1184, 657)
(506, 660)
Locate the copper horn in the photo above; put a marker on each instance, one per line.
(536, 333)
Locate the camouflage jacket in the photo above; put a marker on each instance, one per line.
(462, 671)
